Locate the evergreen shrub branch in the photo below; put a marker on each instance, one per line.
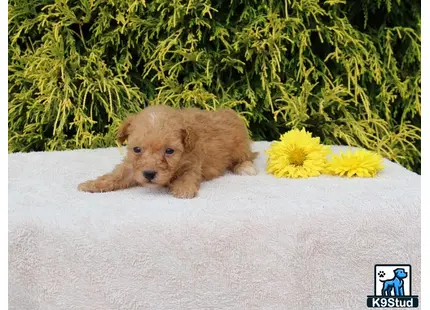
(348, 71)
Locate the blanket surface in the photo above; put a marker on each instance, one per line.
(246, 242)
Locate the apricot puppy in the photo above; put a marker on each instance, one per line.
(178, 149)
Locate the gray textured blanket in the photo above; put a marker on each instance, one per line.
(243, 243)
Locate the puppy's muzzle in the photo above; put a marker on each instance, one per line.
(149, 174)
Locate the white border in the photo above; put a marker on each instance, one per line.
(425, 84)
(4, 165)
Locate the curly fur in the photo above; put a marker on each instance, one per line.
(205, 144)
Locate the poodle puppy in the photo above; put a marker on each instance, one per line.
(178, 149)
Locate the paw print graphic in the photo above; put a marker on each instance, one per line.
(381, 274)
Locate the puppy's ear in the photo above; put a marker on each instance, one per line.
(188, 139)
(124, 130)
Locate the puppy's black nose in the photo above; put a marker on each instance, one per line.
(149, 174)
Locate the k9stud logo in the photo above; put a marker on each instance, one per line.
(392, 287)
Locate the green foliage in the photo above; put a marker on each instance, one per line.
(348, 71)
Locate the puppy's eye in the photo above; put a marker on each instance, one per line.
(137, 150)
(170, 151)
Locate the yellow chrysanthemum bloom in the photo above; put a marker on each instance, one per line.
(297, 155)
(361, 163)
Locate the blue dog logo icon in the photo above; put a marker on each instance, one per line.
(395, 284)
(392, 287)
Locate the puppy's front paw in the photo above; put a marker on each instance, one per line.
(184, 192)
(92, 186)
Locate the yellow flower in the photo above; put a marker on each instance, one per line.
(297, 155)
(361, 163)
